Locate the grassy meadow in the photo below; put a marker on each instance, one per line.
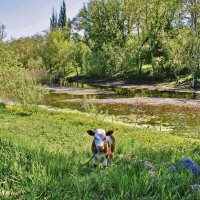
(43, 156)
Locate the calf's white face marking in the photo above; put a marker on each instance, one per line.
(99, 138)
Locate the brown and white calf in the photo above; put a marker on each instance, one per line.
(103, 146)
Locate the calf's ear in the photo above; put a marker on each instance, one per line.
(108, 133)
(90, 132)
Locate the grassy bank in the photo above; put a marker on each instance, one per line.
(42, 156)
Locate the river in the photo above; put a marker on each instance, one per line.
(179, 116)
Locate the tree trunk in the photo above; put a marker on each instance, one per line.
(194, 24)
(139, 60)
(149, 36)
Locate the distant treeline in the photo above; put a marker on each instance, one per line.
(117, 39)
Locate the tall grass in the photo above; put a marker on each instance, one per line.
(43, 156)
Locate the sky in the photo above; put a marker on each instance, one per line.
(28, 17)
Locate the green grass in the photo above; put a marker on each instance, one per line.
(42, 156)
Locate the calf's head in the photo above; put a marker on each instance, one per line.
(100, 138)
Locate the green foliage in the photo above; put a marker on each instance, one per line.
(80, 55)
(125, 35)
(105, 35)
(179, 53)
(57, 53)
(115, 39)
(108, 61)
(2, 106)
(16, 84)
(37, 63)
(28, 49)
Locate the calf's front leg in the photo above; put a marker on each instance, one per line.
(105, 162)
(95, 161)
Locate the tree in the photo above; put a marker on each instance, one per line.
(28, 48)
(79, 54)
(54, 21)
(178, 44)
(62, 21)
(189, 13)
(159, 15)
(106, 33)
(194, 7)
(57, 54)
(2, 32)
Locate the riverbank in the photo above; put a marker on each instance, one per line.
(142, 85)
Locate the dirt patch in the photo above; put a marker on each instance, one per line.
(79, 91)
(145, 100)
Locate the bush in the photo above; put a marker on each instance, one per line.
(16, 84)
(2, 106)
(39, 75)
